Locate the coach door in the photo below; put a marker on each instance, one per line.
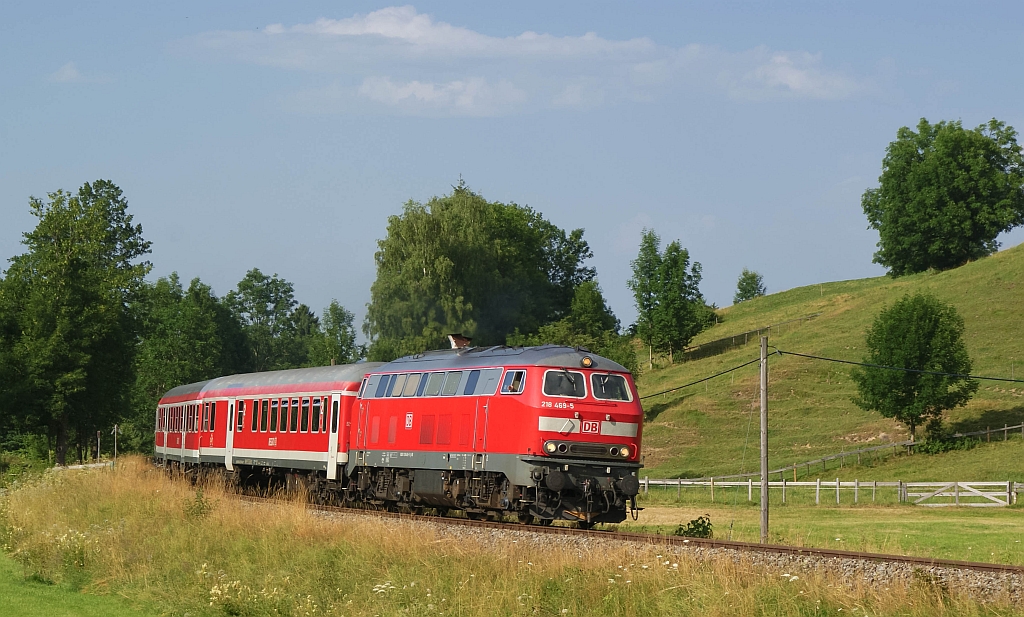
(229, 436)
(332, 444)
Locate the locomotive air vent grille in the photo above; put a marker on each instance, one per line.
(586, 449)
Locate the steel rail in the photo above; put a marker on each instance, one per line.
(656, 539)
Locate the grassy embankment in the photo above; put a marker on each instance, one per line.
(713, 429)
(133, 532)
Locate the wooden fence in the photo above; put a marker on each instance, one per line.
(973, 494)
(893, 448)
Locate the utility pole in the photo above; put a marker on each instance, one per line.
(116, 430)
(98, 446)
(764, 440)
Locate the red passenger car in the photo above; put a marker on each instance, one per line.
(545, 432)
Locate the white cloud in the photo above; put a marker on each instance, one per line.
(432, 66)
(66, 74)
(475, 96)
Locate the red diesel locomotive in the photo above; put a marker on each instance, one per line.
(546, 433)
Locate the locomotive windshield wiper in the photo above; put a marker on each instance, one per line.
(569, 376)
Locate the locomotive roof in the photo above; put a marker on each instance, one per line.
(319, 374)
(559, 356)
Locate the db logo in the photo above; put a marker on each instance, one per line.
(590, 426)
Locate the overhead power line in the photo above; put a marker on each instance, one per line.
(894, 368)
(693, 383)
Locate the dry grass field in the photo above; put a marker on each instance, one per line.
(172, 550)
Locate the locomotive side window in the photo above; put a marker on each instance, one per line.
(434, 382)
(423, 384)
(411, 384)
(362, 387)
(565, 383)
(397, 383)
(382, 385)
(273, 416)
(451, 383)
(294, 426)
(610, 387)
(514, 382)
(488, 382)
(474, 377)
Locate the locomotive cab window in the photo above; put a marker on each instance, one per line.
(411, 384)
(514, 382)
(565, 383)
(610, 387)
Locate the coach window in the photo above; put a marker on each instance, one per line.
(206, 417)
(304, 427)
(514, 382)
(397, 384)
(273, 416)
(294, 426)
(241, 417)
(565, 383)
(451, 383)
(316, 416)
(334, 417)
(434, 382)
(263, 416)
(382, 386)
(213, 416)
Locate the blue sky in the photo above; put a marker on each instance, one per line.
(282, 137)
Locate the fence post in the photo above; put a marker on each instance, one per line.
(988, 433)
(750, 489)
(856, 490)
(783, 491)
(956, 493)
(837, 491)
(817, 491)
(712, 489)
(647, 484)
(1009, 490)
(874, 485)
(794, 465)
(899, 491)
(679, 490)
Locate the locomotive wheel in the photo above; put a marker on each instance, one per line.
(525, 518)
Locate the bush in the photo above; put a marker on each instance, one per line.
(699, 527)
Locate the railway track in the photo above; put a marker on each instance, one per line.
(821, 554)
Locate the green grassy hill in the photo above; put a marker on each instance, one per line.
(713, 429)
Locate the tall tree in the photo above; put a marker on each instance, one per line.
(74, 294)
(462, 264)
(666, 291)
(749, 286)
(645, 284)
(264, 304)
(945, 194)
(334, 342)
(919, 333)
(679, 315)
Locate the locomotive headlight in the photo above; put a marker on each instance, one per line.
(550, 447)
(624, 452)
(587, 362)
